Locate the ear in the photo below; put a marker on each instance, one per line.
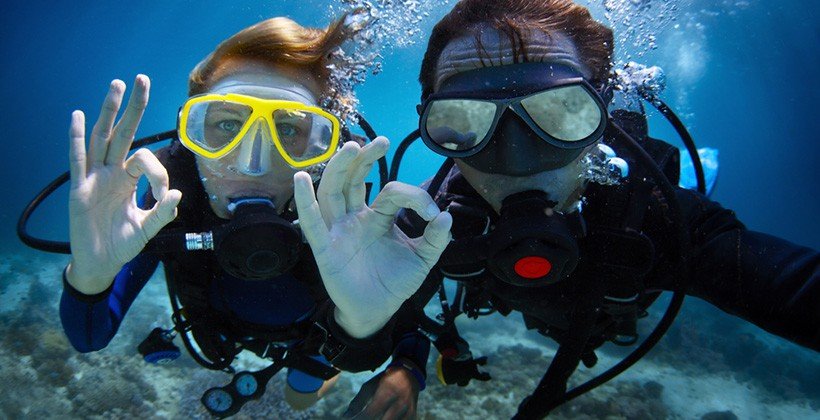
(419, 109)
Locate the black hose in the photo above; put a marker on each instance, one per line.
(156, 138)
(383, 178)
(399, 155)
(679, 291)
(366, 127)
(437, 180)
(647, 345)
(57, 247)
(688, 142)
(371, 134)
(182, 327)
(60, 247)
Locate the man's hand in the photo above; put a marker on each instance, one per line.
(392, 394)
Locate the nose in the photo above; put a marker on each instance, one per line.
(255, 150)
(517, 147)
(515, 144)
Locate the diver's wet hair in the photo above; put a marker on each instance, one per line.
(278, 41)
(515, 18)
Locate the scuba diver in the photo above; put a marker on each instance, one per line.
(567, 214)
(229, 203)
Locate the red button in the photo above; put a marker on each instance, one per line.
(533, 267)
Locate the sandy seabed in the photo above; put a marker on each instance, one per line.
(710, 366)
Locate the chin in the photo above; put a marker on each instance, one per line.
(562, 185)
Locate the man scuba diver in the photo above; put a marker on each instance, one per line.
(221, 215)
(515, 93)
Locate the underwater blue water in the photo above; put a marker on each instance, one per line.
(743, 75)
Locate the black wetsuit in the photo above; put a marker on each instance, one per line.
(763, 279)
(280, 310)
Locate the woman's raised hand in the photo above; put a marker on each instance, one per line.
(107, 228)
(369, 267)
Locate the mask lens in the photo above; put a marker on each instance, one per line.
(567, 113)
(459, 124)
(303, 134)
(214, 124)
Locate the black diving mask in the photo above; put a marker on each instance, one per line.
(554, 113)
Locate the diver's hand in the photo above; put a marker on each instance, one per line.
(392, 394)
(369, 267)
(107, 228)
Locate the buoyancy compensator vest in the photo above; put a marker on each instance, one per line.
(602, 299)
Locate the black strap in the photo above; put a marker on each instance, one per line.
(550, 392)
(302, 362)
(623, 256)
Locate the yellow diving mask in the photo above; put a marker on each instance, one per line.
(211, 125)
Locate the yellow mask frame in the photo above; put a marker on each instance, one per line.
(261, 108)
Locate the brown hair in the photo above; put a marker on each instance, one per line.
(514, 18)
(278, 41)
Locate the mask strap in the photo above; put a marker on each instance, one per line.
(607, 92)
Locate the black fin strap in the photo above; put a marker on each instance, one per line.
(312, 367)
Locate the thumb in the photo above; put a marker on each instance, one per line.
(436, 237)
(163, 213)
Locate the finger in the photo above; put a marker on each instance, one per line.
(76, 151)
(143, 162)
(483, 376)
(358, 403)
(101, 133)
(355, 191)
(378, 406)
(310, 217)
(164, 212)
(435, 239)
(331, 188)
(127, 127)
(396, 196)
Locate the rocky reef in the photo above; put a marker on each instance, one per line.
(709, 366)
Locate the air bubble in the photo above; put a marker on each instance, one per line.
(377, 26)
(601, 166)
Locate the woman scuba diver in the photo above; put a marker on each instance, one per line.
(222, 217)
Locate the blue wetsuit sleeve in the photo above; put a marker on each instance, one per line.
(90, 322)
(413, 347)
(302, 382)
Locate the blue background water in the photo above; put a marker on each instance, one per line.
(744, 77)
